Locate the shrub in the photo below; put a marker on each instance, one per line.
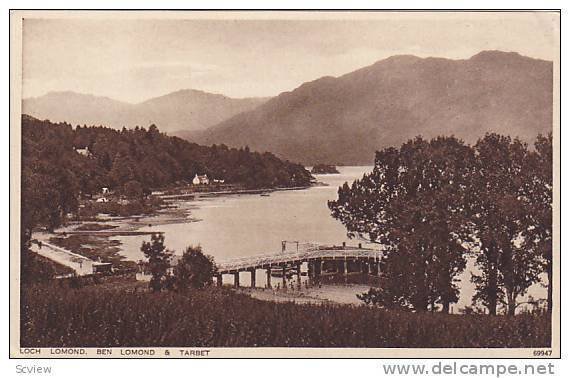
(194, 269)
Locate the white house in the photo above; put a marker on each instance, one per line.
(200, 180)
(105, 190)
(83, 151)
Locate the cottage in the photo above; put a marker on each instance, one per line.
(200, 180)
(83, 151)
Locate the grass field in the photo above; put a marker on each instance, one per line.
(127, 315)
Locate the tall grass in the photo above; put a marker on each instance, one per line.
(98, 317)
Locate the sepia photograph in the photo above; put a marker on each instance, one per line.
(255, 184)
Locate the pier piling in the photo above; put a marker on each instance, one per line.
(345, 269)
(252, 272)
(318, 269)
(268, 273)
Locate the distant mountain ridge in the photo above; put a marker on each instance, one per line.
(187, 109)
(344, 120)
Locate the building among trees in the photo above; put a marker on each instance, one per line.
(83, 151)
(201, 180)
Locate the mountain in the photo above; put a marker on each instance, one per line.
(182, 110)
(77, 108)
(344, 120)
(193, 109)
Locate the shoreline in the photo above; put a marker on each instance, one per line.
(99, 240)
(230, 192)
(338, 294)
(106, 233)
(173, 214)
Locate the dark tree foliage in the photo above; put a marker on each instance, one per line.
(408, 204)
(539, 234)
(133, 189)
(158, 261)
(429, 202)
(37, 269)
(130, 162)
(511, 201)
(194, 269)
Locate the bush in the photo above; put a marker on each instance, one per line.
(36, 268)
(194, 270)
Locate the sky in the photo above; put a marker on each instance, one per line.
(133, 59)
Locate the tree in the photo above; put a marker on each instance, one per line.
(413, 203)
(133, 189)
(539, 192)
(500, 206)
(158, 260)
(122, 170)
(194, 269)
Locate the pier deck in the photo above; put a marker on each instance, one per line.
(315, 256)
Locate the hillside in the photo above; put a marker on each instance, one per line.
(182, 110)
(60, 164)
(152, 158)
(344, 120)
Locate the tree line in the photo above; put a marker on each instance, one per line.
(434, 203)
(55, 176)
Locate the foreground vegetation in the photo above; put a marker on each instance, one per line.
(129, 314)
(41, 269)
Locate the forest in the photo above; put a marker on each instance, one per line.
(62, 164)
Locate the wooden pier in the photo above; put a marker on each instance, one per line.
(319, 258)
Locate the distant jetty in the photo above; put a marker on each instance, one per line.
(321, 169)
